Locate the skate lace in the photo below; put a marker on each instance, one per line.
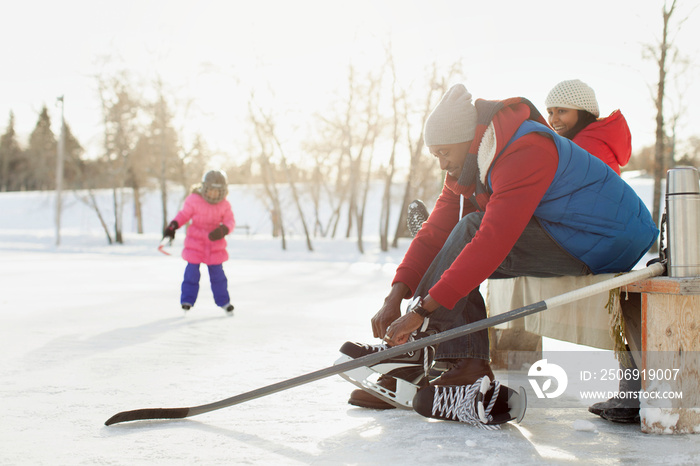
(457, 402)
(427, 360)
(375, 348)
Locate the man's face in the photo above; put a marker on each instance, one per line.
(451, 156)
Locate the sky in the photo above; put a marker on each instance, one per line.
(213, 54)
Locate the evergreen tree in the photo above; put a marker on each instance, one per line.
(41, 155)
(156, 156)
(73, 163)
(195, 162)
(10, 157)
(121, 108)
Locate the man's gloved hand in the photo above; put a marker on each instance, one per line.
(169, 231)
(218, 233)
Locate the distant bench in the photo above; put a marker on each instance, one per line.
(242, 227)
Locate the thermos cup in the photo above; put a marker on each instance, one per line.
(683, 221)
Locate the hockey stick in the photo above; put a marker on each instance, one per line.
(165, 242)
(371, 359)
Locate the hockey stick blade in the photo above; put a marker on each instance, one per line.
(375, 358)
(165, 242)
(148, 413)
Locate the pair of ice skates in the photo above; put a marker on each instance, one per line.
(485, 403)
(226, 307)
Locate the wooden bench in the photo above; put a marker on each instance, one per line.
(662, 328)
(670, 358)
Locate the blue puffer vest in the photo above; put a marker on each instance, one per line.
(589, 210)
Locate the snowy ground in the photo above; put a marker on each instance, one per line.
(89, 330)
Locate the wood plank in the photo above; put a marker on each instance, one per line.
(665, 285)
(671, 343)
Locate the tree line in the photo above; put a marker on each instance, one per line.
(141, 149)
(372, 133)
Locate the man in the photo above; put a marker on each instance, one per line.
(518, 200)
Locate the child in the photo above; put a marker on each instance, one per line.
(212, 219)
(573, 113)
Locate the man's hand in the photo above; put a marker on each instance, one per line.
(398, 332)
(390, 311)
(402, 328)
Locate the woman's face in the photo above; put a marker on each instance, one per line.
(562, 119)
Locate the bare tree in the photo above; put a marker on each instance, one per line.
(373, 128)
(120, 112)
(157, 153)
(360, 131)
(318, 188)
(660, 54)
(332, 174)
(268, 173)
(267, 128)
(691, 152)
(422, 172)
(385, 214)
(328, 185)
(347, 141)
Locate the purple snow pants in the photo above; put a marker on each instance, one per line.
(217, 277)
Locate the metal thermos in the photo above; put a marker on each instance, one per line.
(683, 221)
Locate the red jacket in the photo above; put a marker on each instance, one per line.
(519, 179)
(609, 139)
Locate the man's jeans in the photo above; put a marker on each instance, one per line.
(534, 254)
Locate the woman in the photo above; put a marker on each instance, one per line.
(573, 113)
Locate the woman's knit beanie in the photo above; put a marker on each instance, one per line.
(573, 94)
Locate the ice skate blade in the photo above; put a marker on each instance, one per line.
(518, 405)
(361, 377)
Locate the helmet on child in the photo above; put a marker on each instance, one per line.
(214, 186)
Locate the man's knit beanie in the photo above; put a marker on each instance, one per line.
(453, 120)
(573, 94)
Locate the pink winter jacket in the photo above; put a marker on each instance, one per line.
(205, 218)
